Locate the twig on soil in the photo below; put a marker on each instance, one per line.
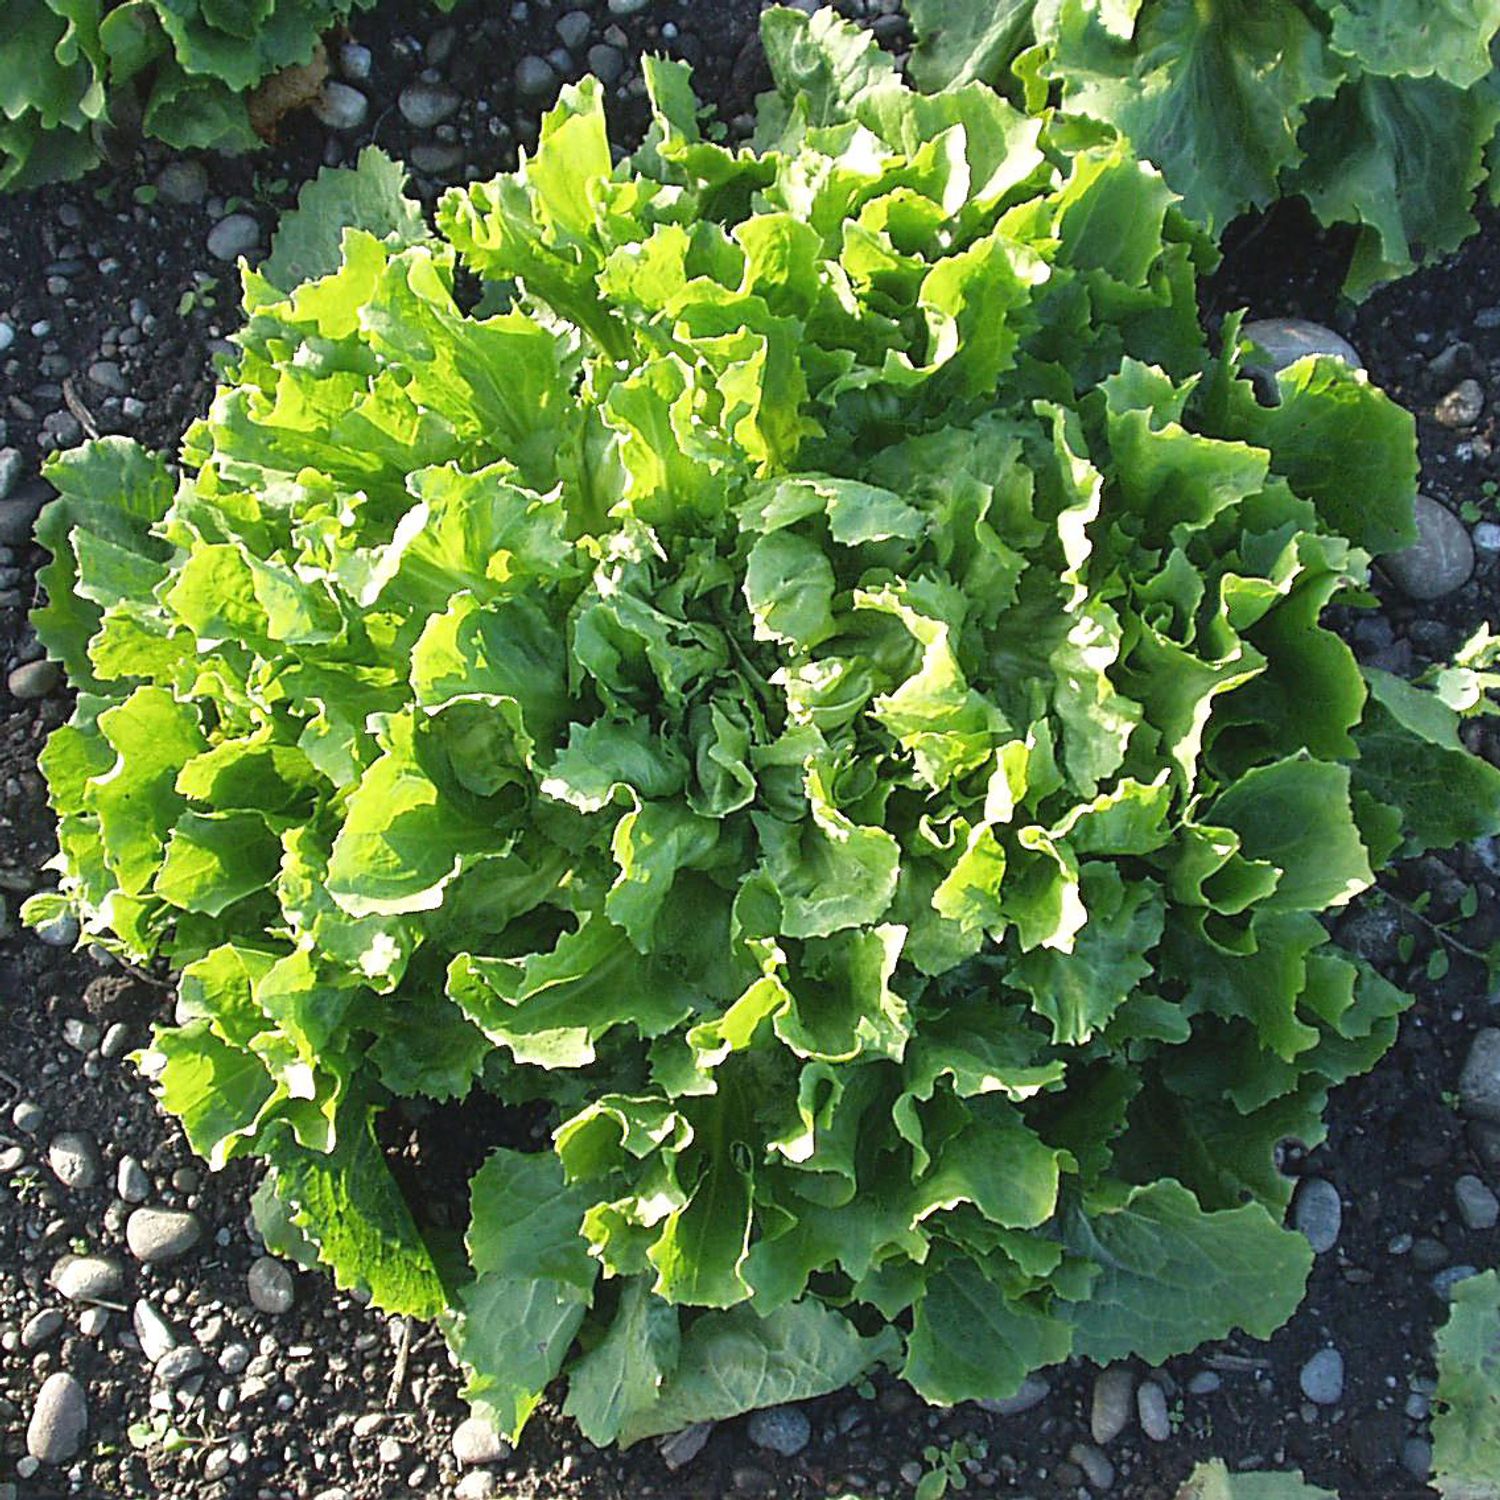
(398, 1375)
(1436, 931)
(80, 411)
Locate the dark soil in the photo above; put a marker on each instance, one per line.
(118, 277)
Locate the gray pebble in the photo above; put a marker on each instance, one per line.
(536, 78)
(627, 7)
(1097, 1469)
(1204, 1383)
(155, 1235)
(58, 1420)
(678, 1449)
(1462, 406)
(60, 932)
(1479, 1083)
(782, 1429)
(234, 1358)
(12, 1159)
(1487, 536)
(18, 512)
(1449, 1277)
(28, 1116)
(1440, 561)
(81, 1036)
(7, 336)
(74, 1159)
(1109, 1414)
(34, 679)
(479, 1485)
(573, 29)
(424, 105)
(116, 1041)
(87, 1278)
(1286, 340)
(270, 1286)
(1322, 1378)
(153, 1331)
(341, 107)
(476, 1442)
(606, 63)
(12, 465)
(1318, 1213)
(106, 374)
(131, 1181)
(1478, 1207)
(355, 61)
(216, 1465)
(1151, 1406)
(1033, 1391)
(436, 158)
(1416, 1458)
(184, 182)
(234, 236)
(92, 1321)
(40, 1327)
(177, 1364)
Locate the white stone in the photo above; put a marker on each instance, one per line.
(153, 1330)
(270, 1286)
(58, 1420)
(476, 1442)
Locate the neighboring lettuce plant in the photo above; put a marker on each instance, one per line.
(806, 709)
(1466, 1425)
(182, 69)
(1214, 1481)
(1379, 112)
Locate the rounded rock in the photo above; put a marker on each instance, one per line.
(86, 1278)
(1322, 1378)
(154, 1332)
(781, 1429)
(627, 7)
(479, 1485)
(355, 61)
(1479, 1083)
(536, 78)
(270, 1286)
(184, 182)
(233, 236)
(157, 1235)
(679, 1449)
(40, 1327)
(1416, 1458)
(1449, 1277)
(1109, 1414)
(12, 466)
(1286, 340)
(34, 679)
(1478, 1206)
(1151, 1407)
(74, 1159)
(573, 29)
(341, 107)
(1034, 1390)
(58, 1420)
(131, 1181)
(1462, 406)
(606, 63)
(177, 1364)
(1097, 1468)
(60, 932)
(424, 105)
(475, 1442)
(1439, 562)
(1318, 1213)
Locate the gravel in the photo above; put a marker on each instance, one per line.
(157, 1235)
(341, 106)
(1439, 562)
(536, 78)
(40, 1327)
(1479, 1083)
(233, 236)
(58, 1420)
(678, 1449)
(1109, 1413)
(424, 105)
(1318, 1213)
(1462, 406)
(183, 182)
(34, 679)
(475, 1442)
(270, 1286)
(1151, 1407)
(74, 1159)
(782, 1429)
(1322, 1378)
(131, 1181)
(87, 1278)
(154, 1332)
(1478, 1206)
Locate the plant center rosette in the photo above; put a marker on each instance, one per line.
(813, 689)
